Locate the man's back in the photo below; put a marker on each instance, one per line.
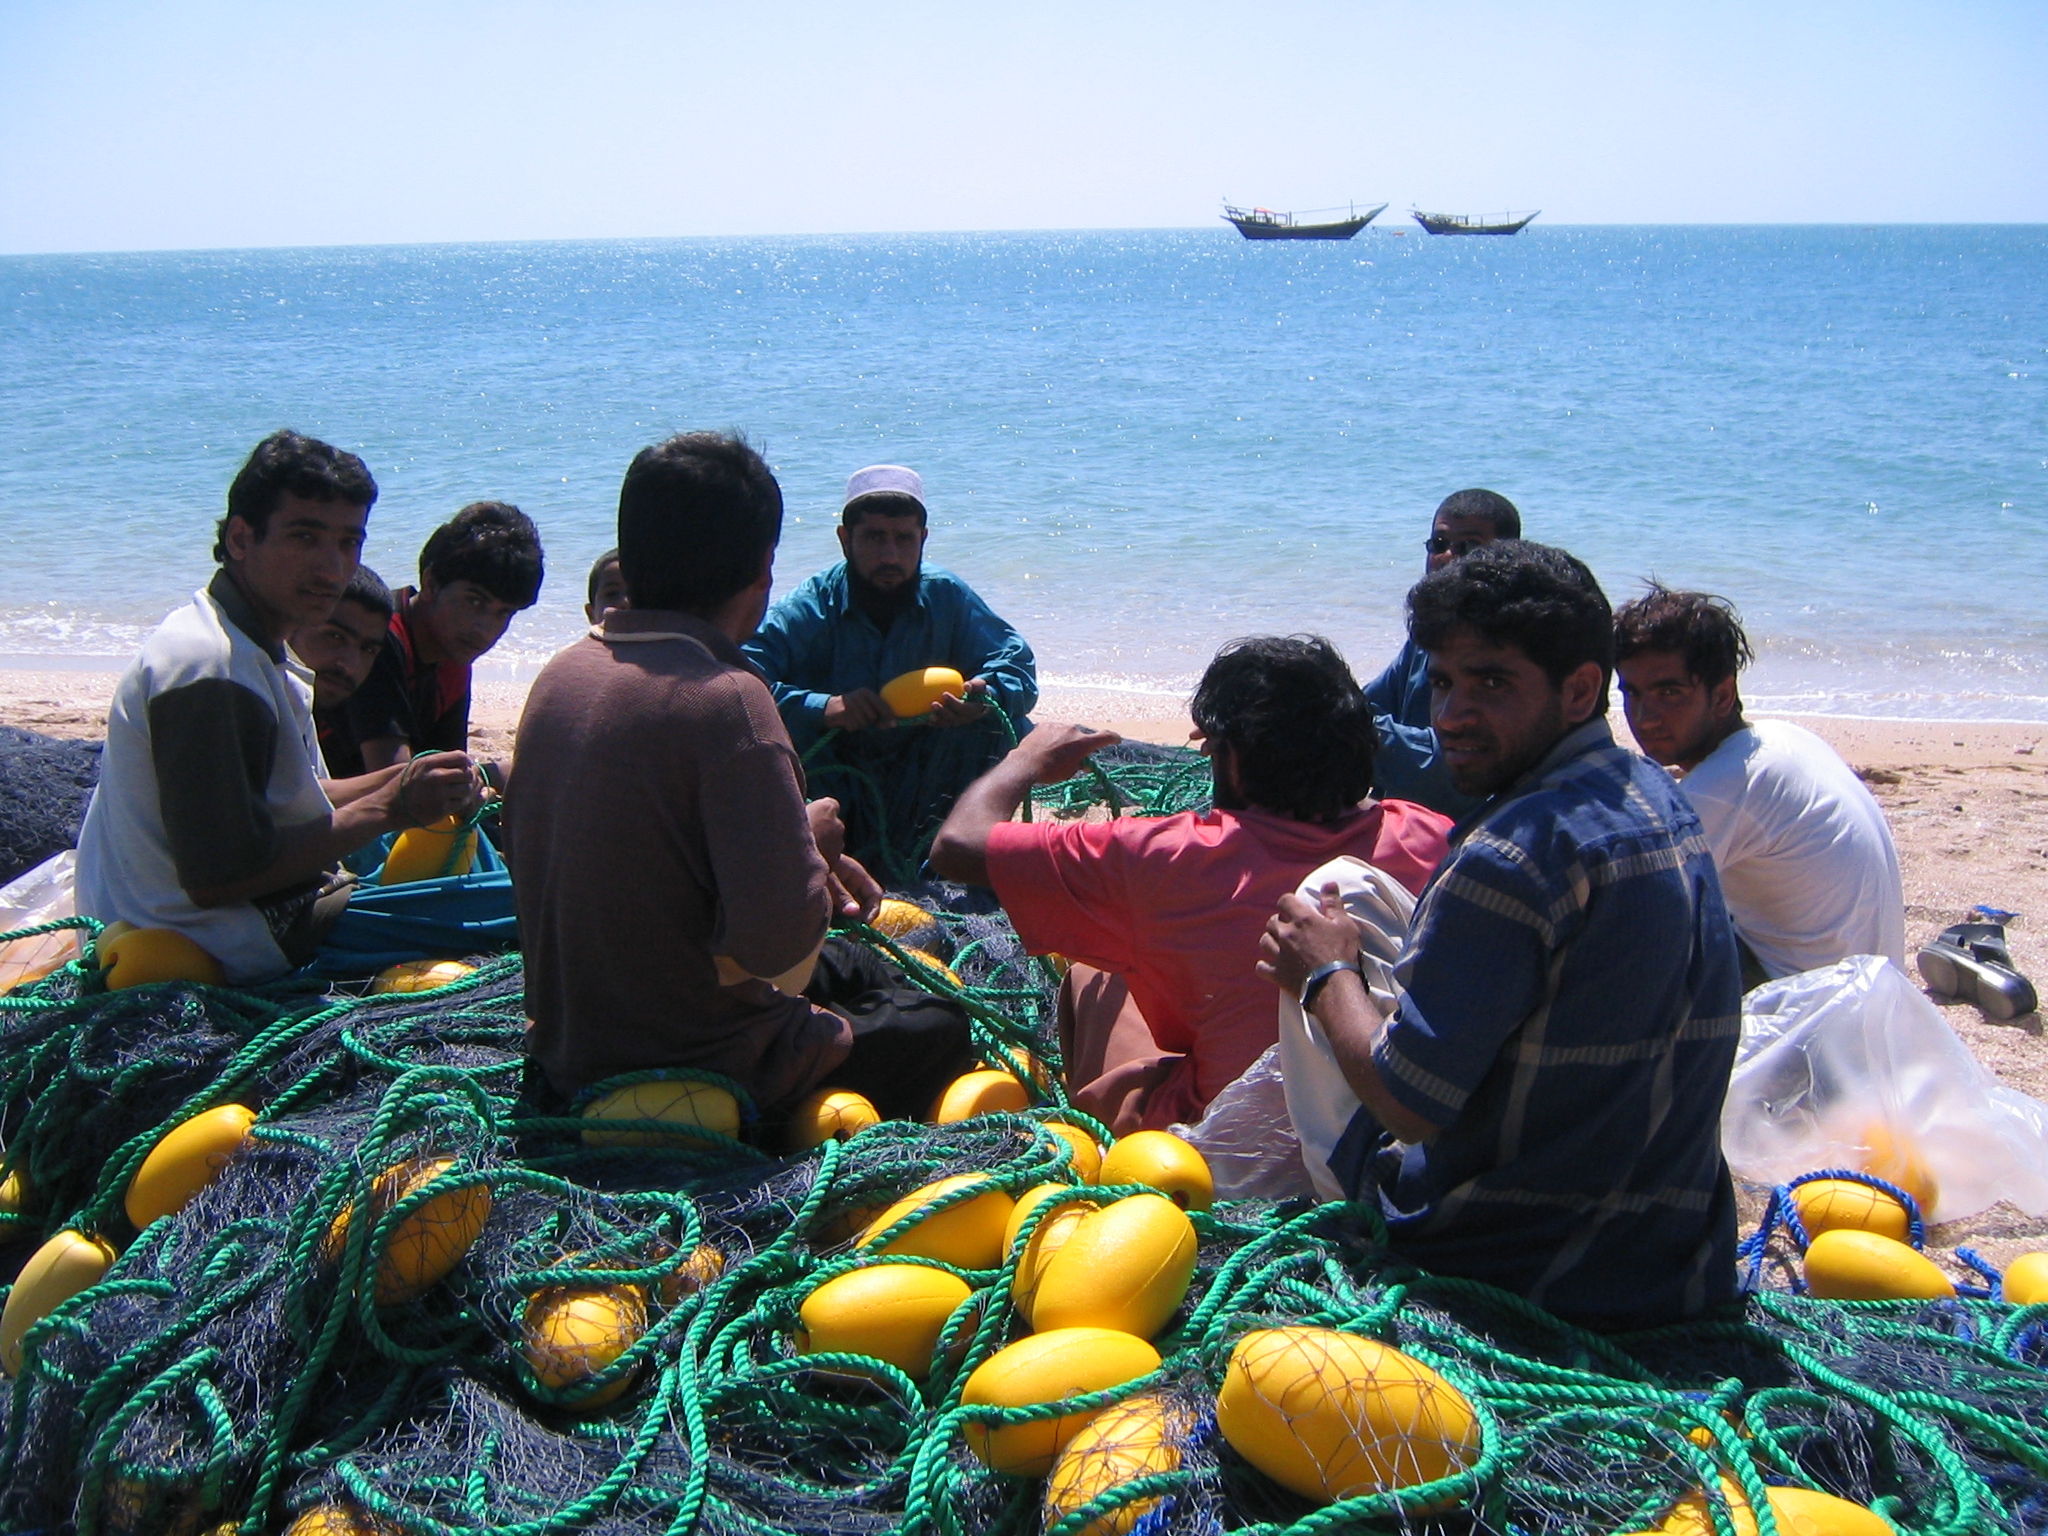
(1176, 906)
(1807, 862)
(660, 823)
(1570, 1017)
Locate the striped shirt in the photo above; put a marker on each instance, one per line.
(1571, 1004)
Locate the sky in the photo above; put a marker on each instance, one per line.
(135, 125)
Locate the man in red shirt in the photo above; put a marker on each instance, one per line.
(1162, 916)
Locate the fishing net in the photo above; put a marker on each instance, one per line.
(596, 1336)
(44, 784)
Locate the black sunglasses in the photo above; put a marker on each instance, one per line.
(1437, 544)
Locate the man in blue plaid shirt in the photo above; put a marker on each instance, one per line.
(1541, 1109)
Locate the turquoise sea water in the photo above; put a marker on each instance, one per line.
(1135, 444)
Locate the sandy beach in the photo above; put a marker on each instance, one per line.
(1967, 802)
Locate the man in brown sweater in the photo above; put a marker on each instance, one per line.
(665, 858)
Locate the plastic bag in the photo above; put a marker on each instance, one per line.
(1320, 1103)
(1245, 1136)
(1852, 1067)
(42, 895)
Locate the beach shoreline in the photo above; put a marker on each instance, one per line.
(1967, 802)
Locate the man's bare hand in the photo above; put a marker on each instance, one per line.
(962, 708)
(827, 830)
(1303, 935)
(856, 894)
(860, 710)
(429, 788)
(1054, 753)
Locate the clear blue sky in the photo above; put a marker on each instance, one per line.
(209, 123)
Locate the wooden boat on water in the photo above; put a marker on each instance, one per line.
(1472, 224)
(1265, 224)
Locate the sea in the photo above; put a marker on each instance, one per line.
(1136, 444)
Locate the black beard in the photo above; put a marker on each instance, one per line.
(882, 605)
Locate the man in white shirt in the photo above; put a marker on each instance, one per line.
(1807, 864)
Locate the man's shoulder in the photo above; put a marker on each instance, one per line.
(195, 644)
(668, 679)
(1601, 800)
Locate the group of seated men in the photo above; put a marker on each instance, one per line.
(1538, 1060)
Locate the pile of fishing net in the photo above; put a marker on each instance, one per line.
(44, 784)
(405, 1299)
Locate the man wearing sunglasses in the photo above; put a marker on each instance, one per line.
(1409, 765)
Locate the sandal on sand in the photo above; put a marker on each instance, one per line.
(1969, 963)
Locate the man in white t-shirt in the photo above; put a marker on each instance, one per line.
(1807, 864)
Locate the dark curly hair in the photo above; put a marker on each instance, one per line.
(1534, 597)
(491, 543)
(1704, 629)
(289, 463)
(1299, 729)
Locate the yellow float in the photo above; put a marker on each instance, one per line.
(891, 1312)
(335, 1520)
(425, 1247)
(1861, 1266)
(934, 964)
(968, 1235)
(1892, 1156)
(1828, 1205)
(979, 1093)
(67, 1264)
(1798, 1511)
(13, 1201)
(1331, 1415)
(570, 1333)
(419, 976)
(188, 1158)
(1124, 1442)
(439, 849)
(1087, 1155)
(1048, 1368)
(1164, 1161)
(830, 1114)
(899, 919)
(101, 958)
(914, 693)
(670, 1100)
(143, 955)
(1059, 1223)
(1126, 1266)
(2025, 1283)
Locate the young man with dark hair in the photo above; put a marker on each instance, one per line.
(211, 816)
(829, 647)
(1162, 916)
(1806, 861)
(1410, 764)
(340, 652)
(1541, 1107)
(477, 570)
(606, 588)
(666, 860)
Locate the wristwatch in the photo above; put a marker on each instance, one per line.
(1318, 978)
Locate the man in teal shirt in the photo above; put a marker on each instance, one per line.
(829, 647)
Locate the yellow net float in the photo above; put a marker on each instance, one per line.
(1087, 1154)
(2026, 1280)
(933, 963)
(570, 1333)
(65, 1265)
(189, 1157)
(139, 956)
(1892, 1156)
(899, 919)
(671, 1100)
(1059, 1223)
(915, 692)
(1126, 1266)
(1332, 1415)
(419, 976)
(830, 1114)
(1845, 1265)
(1162, 1160)
(985, 1092)
(1798, 1512)
(1048, 1368)
(891, 1312)
(337, 1520)
(440, 848)
(968, 1235)
(1126, 1441)
(425, 1247)
(13, 1206)
(1827, 1205)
